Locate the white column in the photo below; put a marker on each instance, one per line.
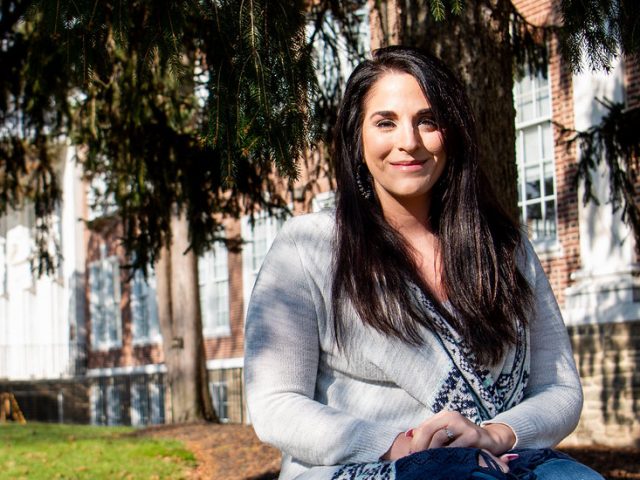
(603, 289)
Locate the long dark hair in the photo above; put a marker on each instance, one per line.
(478, 240)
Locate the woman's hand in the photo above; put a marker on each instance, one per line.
(401, 447)
(451, 429)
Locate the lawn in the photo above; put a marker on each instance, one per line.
(53, 451)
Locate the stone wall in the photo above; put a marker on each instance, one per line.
(608, 359)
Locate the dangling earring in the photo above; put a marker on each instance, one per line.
(363, 181)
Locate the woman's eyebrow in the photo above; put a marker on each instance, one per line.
(383, 113)
(391, 113)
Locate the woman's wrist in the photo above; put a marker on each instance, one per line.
(502, 435)
(399, 448)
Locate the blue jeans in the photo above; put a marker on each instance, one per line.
(462, 463)
(561, 469)
(543, 464)
(558, 469)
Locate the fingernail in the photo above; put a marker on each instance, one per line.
(510, 456)
(409, 433)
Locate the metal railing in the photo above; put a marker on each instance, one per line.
(128, 400)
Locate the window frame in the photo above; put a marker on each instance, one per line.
(219, 390)
(97, 399)
(105, 341)
(150, 305)
(114, 402)
(249, 271)
(4, 265)
(156, 402)
(544, 161)
(210, 283)
(97, 188)
(323, 200)
(139, 409)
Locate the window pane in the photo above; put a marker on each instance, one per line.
(531, 145)
(139, 402)
(550, 219)
(535, 158)
(519, 142)
(219, 399)
(532, 176)
(156, 396)
(534, 211)
(144, 308)
(3, 266)
(97, 405)
(542, 83)
(519, 189)
(152, 306)
(547, 141)
(214, 290)
(114, 416)
(549, 175)
(543, 103)
(534, 215)
(96, 307)
(525, 107)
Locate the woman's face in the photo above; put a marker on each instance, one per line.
(403, 147)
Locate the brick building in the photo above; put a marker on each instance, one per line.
(587, 251)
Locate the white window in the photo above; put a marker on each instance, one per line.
(156, 394)
(213, 278)
(100, 204)
(258, 239)
(534, 155)
(3, 265)
(104, 298)
(19, 248)
(220, 400)
(144, 308)
(114, 405)
(323, 200)
(139, 403)
(97, 405)
(331, 51)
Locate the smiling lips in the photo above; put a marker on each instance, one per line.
(408, 163)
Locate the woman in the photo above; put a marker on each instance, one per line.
(412, 332)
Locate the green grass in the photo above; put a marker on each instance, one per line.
(51, 451)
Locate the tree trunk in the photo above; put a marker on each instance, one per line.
(181, 327)
(476, 46)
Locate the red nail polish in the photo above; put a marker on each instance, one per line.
(510, 456)
(409, 433)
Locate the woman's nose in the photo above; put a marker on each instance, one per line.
(409, 139)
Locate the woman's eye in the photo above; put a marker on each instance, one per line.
(429, 123)
(384, 124)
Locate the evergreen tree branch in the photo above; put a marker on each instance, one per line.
(615, 141)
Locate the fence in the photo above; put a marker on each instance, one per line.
(128, 400)
(64, 400)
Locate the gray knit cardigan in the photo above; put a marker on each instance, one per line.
(323, 407)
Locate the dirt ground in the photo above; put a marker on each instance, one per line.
(232, 452)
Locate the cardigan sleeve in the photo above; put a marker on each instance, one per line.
(281, 361)
(553, 397)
